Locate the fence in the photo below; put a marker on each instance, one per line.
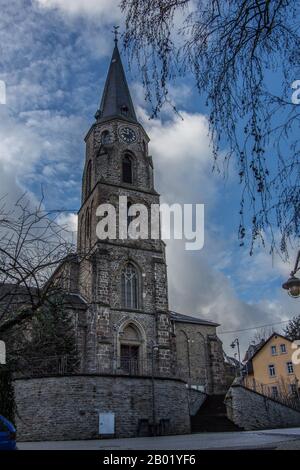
(278, 391)
(52, 365)
(136, 367)
(68, 365)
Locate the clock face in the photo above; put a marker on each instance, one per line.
(127, 135)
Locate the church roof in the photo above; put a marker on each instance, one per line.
(116, 100)
(179, 317)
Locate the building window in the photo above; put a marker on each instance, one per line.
(105, 138)
(127, 175)
(130, 287)
(283, 348)
(272, 370)
(88, 184)
(144, 148)
(293, 389)
(290, 367)
(273, 350)
(130, 350)
(88, 227)
(274, 391)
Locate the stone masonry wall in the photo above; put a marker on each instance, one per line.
(193, 353)
(66, 408)
(251, 410)
(196, 400)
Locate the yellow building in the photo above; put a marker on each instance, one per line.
(271, 370)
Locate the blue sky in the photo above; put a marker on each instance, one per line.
(54, 59)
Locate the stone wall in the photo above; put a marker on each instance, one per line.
(197, 399)
(200, 357)
(63, 408)
(251, 410)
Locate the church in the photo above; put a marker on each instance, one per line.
(143, 368)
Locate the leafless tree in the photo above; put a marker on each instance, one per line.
(32, 246)
(243, 56)
(262, 334)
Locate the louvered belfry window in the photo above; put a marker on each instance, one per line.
(127, 169)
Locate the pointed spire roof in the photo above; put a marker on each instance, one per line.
(116, 100)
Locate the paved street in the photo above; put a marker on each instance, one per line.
(270, 439)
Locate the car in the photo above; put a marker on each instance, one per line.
(7, 435)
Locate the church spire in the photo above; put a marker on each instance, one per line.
(116, 100)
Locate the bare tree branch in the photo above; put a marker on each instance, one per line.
(234, 50)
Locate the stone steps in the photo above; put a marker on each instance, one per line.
(212, 417)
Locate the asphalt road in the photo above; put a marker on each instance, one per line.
(269, 439)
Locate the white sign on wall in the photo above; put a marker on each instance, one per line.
(106, 424)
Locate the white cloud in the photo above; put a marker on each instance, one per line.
(198, 283)
(107, 10)
(69, 222)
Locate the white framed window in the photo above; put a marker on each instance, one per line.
(290, 367)
(274, 391)
(273, 350)
(283, 349)
(272, 370)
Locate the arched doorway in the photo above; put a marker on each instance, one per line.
(130, 344)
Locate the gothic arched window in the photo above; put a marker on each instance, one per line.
(144, 148)
(130, 286)
(130, 345)
(105, 138)
(88, 184)
(127, 175)
(88, 226)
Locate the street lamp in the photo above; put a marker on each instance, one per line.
(292, 285)
(233, 344)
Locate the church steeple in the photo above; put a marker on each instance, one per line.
(116, 100)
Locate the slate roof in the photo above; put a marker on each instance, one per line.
(116, 94)
(15, 295)
(179, 317)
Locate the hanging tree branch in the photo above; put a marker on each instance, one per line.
(234, 51)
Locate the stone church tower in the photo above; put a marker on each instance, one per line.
(123, 280)
(143, 369)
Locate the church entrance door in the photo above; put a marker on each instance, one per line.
(130, 358)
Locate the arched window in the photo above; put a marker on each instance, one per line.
(130, 287)
(88, 184)
(88, 227)
(105, 138)
(130, 344)
(144, 148)
(127, 169)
